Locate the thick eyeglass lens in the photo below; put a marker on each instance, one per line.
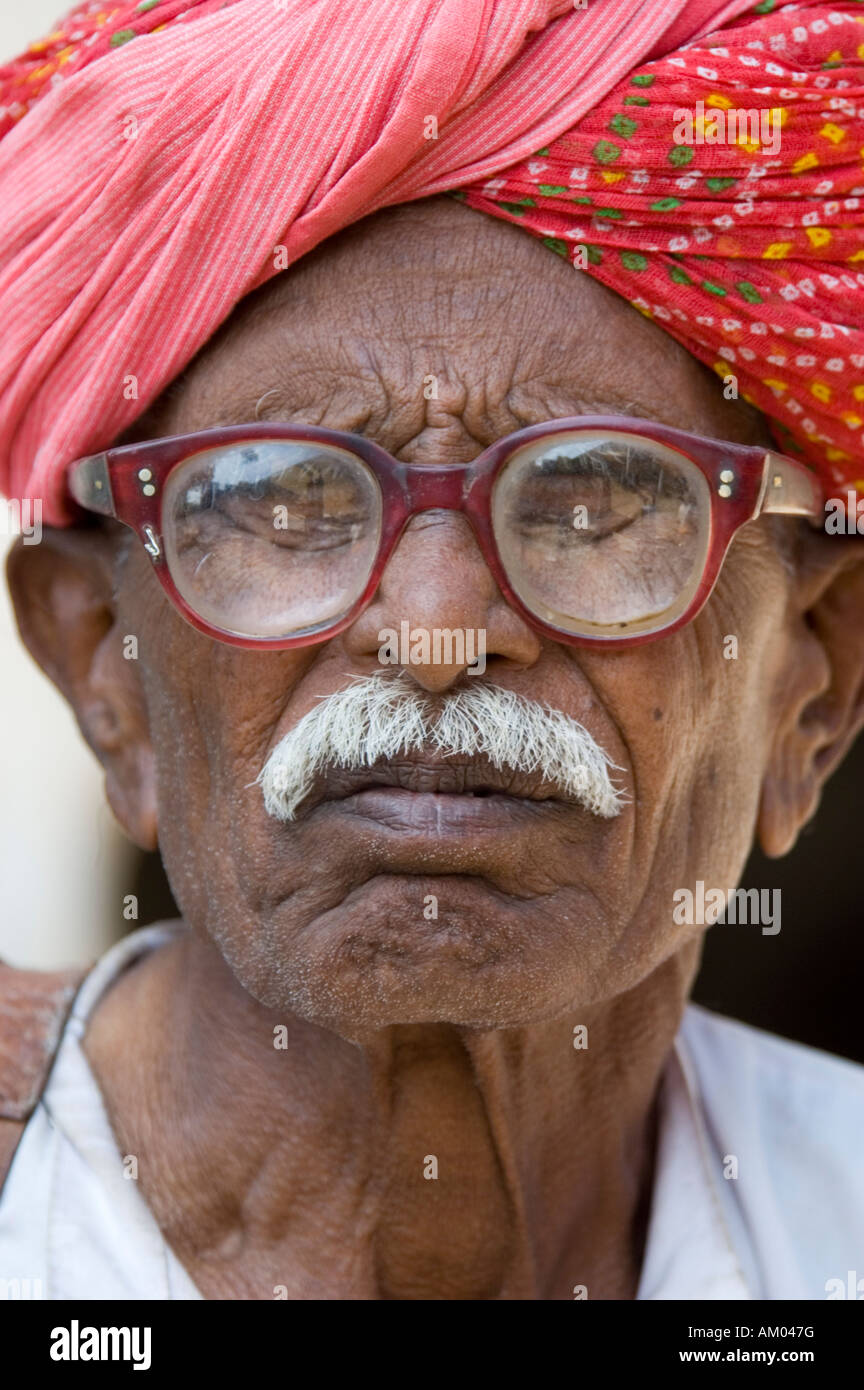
(271, 538)
(602, 534)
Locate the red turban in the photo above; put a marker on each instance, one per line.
(162, 159)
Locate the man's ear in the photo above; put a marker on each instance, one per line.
(821, 699)
(63, 594)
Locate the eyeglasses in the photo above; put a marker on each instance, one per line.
(599, 530)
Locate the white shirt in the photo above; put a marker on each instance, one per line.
(788, 1119)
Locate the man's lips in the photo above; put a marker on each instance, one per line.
(428, 793)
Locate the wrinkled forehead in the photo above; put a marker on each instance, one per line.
(432, 316)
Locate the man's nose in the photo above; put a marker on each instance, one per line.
(438, 613)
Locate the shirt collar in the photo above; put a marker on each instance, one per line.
(689, 1252)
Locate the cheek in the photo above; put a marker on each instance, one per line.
(697, 712)
(212, 711)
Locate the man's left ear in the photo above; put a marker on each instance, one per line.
(821, 702)
(63, 593)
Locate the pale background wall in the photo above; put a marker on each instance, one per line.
(22, 21)
(64, 865)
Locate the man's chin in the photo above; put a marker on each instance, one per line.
(441, 949)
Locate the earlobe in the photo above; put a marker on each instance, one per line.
(821, 690)
(62, 593)
(789, 799)
(135, 813)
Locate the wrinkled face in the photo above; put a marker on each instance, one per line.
(369, 911)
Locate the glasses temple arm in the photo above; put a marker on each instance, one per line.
(789, 489)
(90, 485)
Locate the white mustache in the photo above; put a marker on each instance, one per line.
(382, 717)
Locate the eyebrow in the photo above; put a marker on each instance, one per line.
(275, 406)
(635, 410)
(355, 422)
(278, 411)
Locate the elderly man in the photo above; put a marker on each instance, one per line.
(443, 620)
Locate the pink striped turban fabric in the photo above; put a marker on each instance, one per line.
(156, 155)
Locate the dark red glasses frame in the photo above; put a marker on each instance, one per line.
(744, 480)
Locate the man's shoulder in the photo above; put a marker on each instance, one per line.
(792, 1118)
(737, 1057)
(792, 1096)
(34, 1005)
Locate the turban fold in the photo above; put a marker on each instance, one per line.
(160, 160)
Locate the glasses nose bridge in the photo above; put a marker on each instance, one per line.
(429, 487)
